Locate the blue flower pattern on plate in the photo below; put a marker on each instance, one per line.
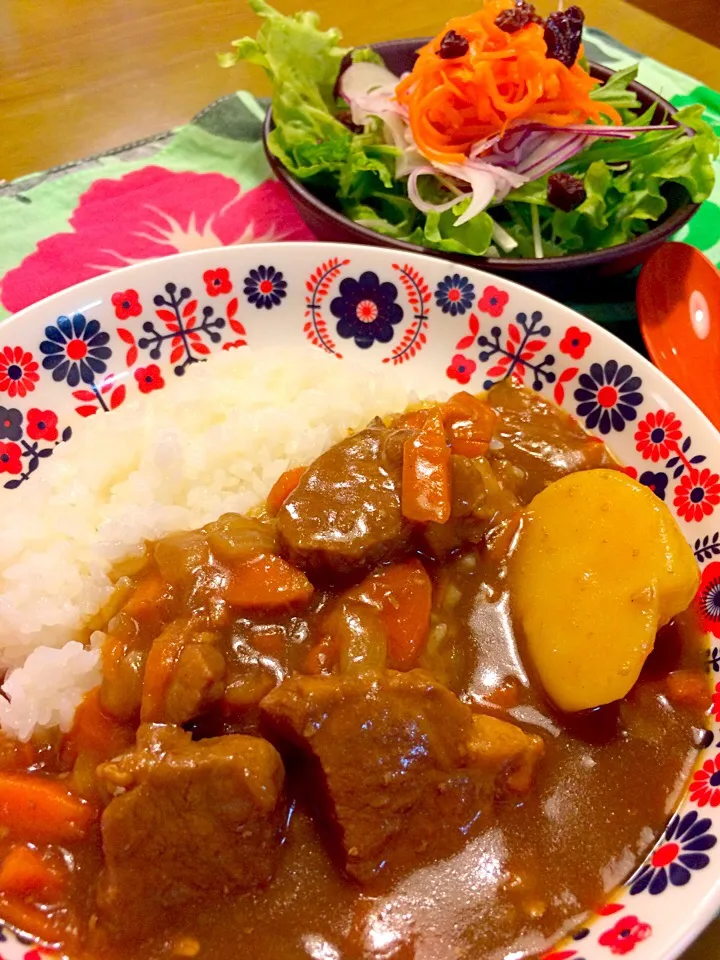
(607, 396)
(265, 287)
(657, 482)
(684, 849)
(75, 349)
(366, 310)
(455, 294)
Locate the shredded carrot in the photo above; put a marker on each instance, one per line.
(469, 423)
(403, 594)
(42, 810)
(95, 733)
(503, 78)
(24, 873)
(426, 493)
(266, 582)
(282, 488)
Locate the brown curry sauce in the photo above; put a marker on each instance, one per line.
(524, 871)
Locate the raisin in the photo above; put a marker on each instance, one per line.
(517, 17)
(345, 118)
(563, 35)
(452, 46)
(565, 191)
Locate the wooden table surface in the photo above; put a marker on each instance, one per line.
(80, 76)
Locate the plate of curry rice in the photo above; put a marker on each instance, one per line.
(351, 606)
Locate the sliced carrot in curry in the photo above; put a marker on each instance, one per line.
(267, 582)
(24, 873)
(469, 424)
(426, 493)
(282, 488)
(96, 733)
(322, 657)
(146, 594)
(39, 809)
(159, 669)
(32, 921)
(403, 594)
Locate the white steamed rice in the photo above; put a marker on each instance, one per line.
(211, 442)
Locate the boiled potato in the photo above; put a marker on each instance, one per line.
(600, 564)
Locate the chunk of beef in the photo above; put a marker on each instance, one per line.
(195, 820)
(535, 442)
(406, 767)
(479, 502)
(184, 674)
(345, 511)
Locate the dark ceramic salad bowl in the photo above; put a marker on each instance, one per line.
(554, 275)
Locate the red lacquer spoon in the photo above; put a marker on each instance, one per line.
(678, 303)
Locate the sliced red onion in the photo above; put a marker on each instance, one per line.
(556, 149)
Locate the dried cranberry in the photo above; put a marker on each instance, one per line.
(453, 45)
(517, 17)
(563, 35)
(565, 191)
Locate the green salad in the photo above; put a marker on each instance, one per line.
(497, 143)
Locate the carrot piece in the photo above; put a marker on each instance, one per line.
(94, 732)
(413, 419)
(282, 488)
(469, 423)
(32, 921)
(322, 657)
(266, 582)
(403, 595)
(24, 873)
(145, 595)
(42, 810)
(688, 688)
(426, 493)
(15, 755)
(159, 668)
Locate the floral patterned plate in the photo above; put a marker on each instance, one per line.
(85, 351)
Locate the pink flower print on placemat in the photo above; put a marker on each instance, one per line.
(150, 213)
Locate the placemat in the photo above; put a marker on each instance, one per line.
(207, 184)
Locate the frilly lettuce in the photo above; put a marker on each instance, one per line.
(626, 181)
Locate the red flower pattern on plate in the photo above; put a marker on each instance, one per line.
(627, 933)
(575, 342)
(697, 494)
(461, 368)
(493, 301)
(149, 213)
(18, 371)
(707, 602)
(10, 458)
(127, 304)
(657, 435)
(217, 282)
(705, 784)
(715, 707)
(149, 378)
(42, 425)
